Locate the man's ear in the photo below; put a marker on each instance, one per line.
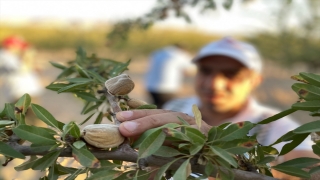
(256, 79)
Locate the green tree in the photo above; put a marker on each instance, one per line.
(226, 151)
(293, 45)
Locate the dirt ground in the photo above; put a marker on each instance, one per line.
(275, 90)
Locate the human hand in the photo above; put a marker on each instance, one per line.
(137, 122)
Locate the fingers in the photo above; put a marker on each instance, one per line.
(138, 121)
(135, 114)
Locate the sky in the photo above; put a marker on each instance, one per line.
(240, 19)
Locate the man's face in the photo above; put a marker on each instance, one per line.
(224, 84)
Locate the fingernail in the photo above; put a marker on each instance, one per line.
(130, 126)
(125, 114)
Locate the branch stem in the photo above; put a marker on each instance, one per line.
(114, 105)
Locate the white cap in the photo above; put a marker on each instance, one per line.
(243, 52)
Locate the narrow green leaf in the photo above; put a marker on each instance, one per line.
(298, 138)
(66, 72)
(183, 122)
(72, 128)
(165, 151)
(71, 87)
(134, 175)
(312, 78)
(79, 144)
(183, 145)
(269, 150)
(278, 116)
(57, 65)
(21, 108)
(224, 125)
(27, 164)
(53, 172)
(293, 171)
(86, 96)
(286, 137)
(310, 127)
(177, 134)
(164, 168)
(209, 168)
(9, 107)
(81, 54)
(214, 133)
(314, 170)
(87, 119)
(151, 143)
(183, 171)
(306, 91)
(79, 80)
(7, 150)
(239, 146)
(119, 68)
(224, 155)
(4, 123)
(316, 148)
(299, 78)
(236, 131)
(3, 113)
(82, 72)
(195, 148)
(103, 175)
(45, 116)
(94, 107)
(146, 134)
(56, 86)
(54, 147)
(142, 175)
(20, 117)
(225, 175)
(302, 162)
(96, 76)
(99, 118)
(307, 106)
(46, 161)
(65, 170)
(85, 157)
(105, 167)
(195, 135)
(197, 115)
(36, 135)
(221, 162)
(41, 147)
(85, 107)
(266, 160)
(260, 153)
(23, 104)
(76, 173)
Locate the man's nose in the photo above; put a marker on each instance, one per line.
(218, 81)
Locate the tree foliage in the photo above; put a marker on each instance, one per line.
(293, 45)
(287, 44)
(227, 151)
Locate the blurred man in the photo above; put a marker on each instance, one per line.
(228, 72)
(165, 75)
(16, 76)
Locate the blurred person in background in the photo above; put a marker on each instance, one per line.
(167, 68)
(17, 73)
(228, 72)
(17, 77)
